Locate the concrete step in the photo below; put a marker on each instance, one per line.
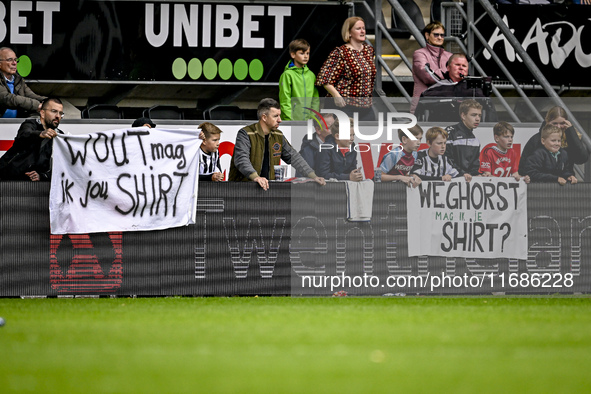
(407, 45)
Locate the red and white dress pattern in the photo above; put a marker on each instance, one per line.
(351, 72)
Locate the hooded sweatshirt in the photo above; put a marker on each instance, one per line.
(297, 83)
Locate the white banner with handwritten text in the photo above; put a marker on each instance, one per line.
(484, 218)
(124, 180)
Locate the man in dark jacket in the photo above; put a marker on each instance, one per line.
(455, 83)
(29, 158)
(16, 99)
(435, 103)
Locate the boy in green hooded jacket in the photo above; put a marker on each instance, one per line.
(297, 85)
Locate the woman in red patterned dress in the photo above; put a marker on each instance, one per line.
(349, 72)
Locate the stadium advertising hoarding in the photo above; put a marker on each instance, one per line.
(165, 41)
(298, 239)
(248, 241)
(122, 180)
(556, 37)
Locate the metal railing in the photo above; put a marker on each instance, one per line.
(467, 41)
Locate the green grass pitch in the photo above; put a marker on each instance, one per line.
(306, 345)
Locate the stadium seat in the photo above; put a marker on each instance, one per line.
(164, 112)
(398, 29)
(436, 10)
(223, 112)
(102, 111)
(370, 23)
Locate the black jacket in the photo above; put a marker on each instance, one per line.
(577, 152)
(332, 164)
(463, 148)
(542, 167)
(310, 150)
(28, 153)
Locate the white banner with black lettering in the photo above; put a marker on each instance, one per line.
(484, 218)
(124, 180)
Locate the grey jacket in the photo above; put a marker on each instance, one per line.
(24, 100)
(242, 165)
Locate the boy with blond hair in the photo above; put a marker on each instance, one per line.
(297, 84)
(431, 164)
(397, 164)
(209, 157)
(550, 163)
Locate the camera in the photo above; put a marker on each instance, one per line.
(484, 83)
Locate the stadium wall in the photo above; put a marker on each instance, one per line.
(251, 242)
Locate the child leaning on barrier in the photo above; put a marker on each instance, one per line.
(463, 148)
(338, 159)
(550, 162)
(209, 158)
(397, 164)
(501, 159)
(431, 164)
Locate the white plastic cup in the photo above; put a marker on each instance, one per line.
(279, 173)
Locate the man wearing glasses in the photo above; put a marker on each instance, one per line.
(16, 99)
(29, 158)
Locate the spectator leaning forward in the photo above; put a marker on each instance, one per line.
(550, 162)
(260, 147)
(571, 139)
(338, 159)
(29, 158)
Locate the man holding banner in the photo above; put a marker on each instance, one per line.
(29, 158)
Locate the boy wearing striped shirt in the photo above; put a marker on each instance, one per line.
(209, 158)
(431, 164)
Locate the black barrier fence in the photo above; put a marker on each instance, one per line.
(248, 242)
